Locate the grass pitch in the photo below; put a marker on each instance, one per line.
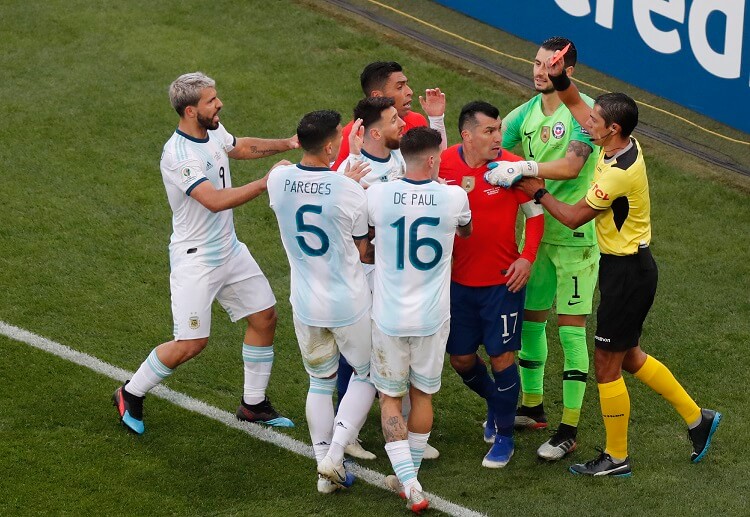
(83, 261)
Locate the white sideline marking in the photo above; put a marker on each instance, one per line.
(263, 433)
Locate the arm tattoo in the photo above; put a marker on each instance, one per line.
(254, 150)
(579, 149)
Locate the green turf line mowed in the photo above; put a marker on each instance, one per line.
(258, 432)
(83, 261)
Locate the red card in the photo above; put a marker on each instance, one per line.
(559, 55)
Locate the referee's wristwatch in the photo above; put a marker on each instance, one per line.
(538, 195)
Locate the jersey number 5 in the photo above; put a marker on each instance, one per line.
(416, 243)
(303, 227)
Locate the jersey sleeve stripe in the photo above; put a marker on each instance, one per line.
(190, 189)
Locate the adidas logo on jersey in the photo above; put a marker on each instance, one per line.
(208, 165)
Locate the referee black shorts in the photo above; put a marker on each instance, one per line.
(627, 285)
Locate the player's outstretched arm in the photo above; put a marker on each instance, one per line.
(568, 167)
(571, 216)
(223, 199)
(249, 148)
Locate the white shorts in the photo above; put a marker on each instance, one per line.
(398, 361)
(239, 285)
(320, 347)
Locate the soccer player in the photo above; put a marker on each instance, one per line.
(387, 79)
(375, 139)
(376, 135)
(567, 262)
(322, 218)
(415, 220)
(208, 262)
(619, 200)
(489, 275)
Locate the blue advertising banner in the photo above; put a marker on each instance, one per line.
(693, 52)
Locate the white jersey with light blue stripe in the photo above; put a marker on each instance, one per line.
(319, 213)
(415, 224)
(197, 233)
(382, 170)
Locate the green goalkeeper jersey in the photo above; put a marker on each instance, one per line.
(546, 138)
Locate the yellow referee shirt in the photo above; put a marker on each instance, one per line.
(620, 192)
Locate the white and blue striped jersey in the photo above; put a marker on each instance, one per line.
(319, 214)
(415, 224)
(198, 235)
(382, 170)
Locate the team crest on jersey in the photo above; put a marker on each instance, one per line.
(217, 156)
(558, 130)
(187, 174)
(544, 135)
(468, 183)
(194, 322)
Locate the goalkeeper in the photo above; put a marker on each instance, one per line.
(567, 261)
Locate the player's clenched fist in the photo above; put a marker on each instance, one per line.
(506, 174)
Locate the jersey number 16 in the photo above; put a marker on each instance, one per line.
(415, 243)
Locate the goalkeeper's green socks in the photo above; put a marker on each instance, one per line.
(531, 359)
(575, 371)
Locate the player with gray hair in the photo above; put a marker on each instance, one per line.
(207, 260)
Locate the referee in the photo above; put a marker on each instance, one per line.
(619, 200)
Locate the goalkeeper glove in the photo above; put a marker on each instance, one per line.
(506, 174)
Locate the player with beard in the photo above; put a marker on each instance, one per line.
(567, 262)
(387, 79)
(207, 260)
(375, 139)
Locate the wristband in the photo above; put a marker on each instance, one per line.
(538, 195)
(560, 82)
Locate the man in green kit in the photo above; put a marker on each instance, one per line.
(567, 263)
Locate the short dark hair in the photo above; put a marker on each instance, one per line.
(558, 43)
(376, 74)
(370, 109)
(418, 140)
(469, 111)
(316, 128)
(620, 109)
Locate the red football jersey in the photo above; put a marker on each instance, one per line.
(412, 119)
(480, 259)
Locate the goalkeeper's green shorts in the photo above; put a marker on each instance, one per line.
(568, 273)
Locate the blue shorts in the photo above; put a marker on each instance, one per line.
(485, 315)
